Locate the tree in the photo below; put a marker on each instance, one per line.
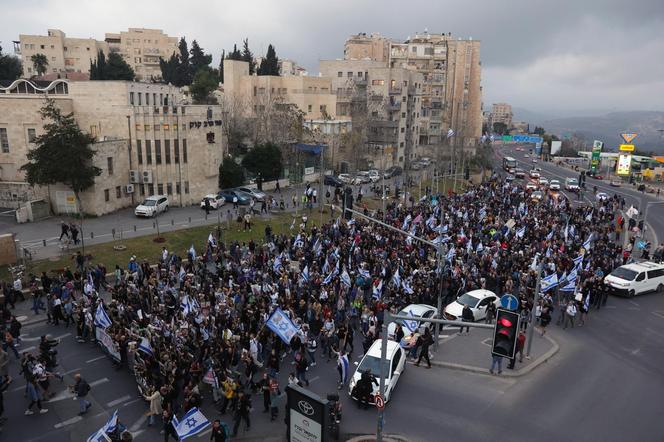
(264, 160)
(169, 69)
(500, 128)
(184, 76)
(221, 66)
(539, 130)
(235, 54)
(248, 56)
(39, 63)
(234, 122)
(63, 153)
(269, 64)
(205, 82)
(11, 67)
(199, 59)
(113, 68)
(231, 174)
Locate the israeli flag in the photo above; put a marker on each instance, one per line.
(405, 284)
(482, 213)
(586, 302)
(491, 138)
(344, 364)
(431, 222)
(145, 347)
(548, 252)
(109, 427)
(406, 221)
(318, 247)
(443, 229)
(190, 424)
(192, 252)
(298, 241)
(377, 291)
(451, 253)
(188, 305)
(533, 265)
(578, 261)
(396, 279)
(479, 247)
(277, 264)
(182, 274)
(521, 232)
(363, 273)
(410, 324)
(566, 231)
(305, 274)
(345, 278)
(101, 318)
(587, 244)
(292, 225)
(281, 325)
(549, 282)
(328, 279)
(450, 133)
(549, 237)
(211, 240)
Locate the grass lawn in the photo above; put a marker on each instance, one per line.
(179, 241)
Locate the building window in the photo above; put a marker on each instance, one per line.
(154, 98)
(176, 151)
(169, 189)
(178, 188)
(4, 140)
(131, 98)
(167, 151)
(323, 108)
(186, 187)
(377, 82)
(147, 127)
(147, 99)
(157, 127)
(157, 151)
(151, 189)
(139, 151)
(359, 75)
(109, 163)
(340, 74)
(161, 99)
(184, 151)
(309, 108)
(142, 189)
(148, 151)
(107, 195)
(166, 126)
(160, 189)
(140, 99)
(118, 192)
(32, 135)
(349, 74)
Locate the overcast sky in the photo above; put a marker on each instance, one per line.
(556, 57)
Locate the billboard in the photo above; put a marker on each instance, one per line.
(555, 147)
(624, 164)
(594, 159)
(627, 147)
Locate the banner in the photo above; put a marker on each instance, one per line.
(624, 164)
(109, 346)
(594, 159)
(556, 146)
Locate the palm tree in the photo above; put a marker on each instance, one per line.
(40, 63)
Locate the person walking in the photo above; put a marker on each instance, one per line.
(242, 413)
(466, 316)
(155, 410)
(169, 429)
(219, 431)
(82, 388)
(35, 398)
(64, 230)
(427, 340)
(570, 314)
(520, 345)
(207, 206)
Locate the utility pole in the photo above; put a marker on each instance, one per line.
(533, 315)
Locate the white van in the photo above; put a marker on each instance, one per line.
(636, 279)
(572, 184)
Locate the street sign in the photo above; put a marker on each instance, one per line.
(627, 147)
(628, 137)
(509, 302)
(306, 415)
(380, 402)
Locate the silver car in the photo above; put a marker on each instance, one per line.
(255, 193)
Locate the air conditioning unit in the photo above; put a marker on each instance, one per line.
(147, 176)
(129, 188)
(134, 177)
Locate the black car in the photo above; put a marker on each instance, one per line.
(393, 171)
(331, 180)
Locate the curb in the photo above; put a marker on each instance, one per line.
(509, 374)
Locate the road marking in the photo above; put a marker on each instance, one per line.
(98, 382)
(635, 351)
(73, 420)
(633, 303)
(118, 401)
(658, 313)
(138, 424)
(63, 336)
(132, 402)
(314, 379)
(71, 371)
(95, 359)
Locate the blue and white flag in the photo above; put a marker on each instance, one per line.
(190, 424)
(548, 252)
(298, 241)
(344, 365)
(305, 274)
(586, 303)
(109, 427)
(328, 279)
(211, 240)
(587, 244)
(377, 291)
(405, 284)
(182, 274)
(549, 282)
(292, 224)
(451, 253)
(479, 247)
(277, 263)
(410, 324)
(549, 237)
(406, 222)
(364, 273)
(101, 318)
(345, 278)
(482, 213)
(396, 279)
(578, 262)
(431, 222)
(192, 252)
(450, 133)
(318, 247)
(145, 347)
(281, 325)
(188, 305)
(521, 232)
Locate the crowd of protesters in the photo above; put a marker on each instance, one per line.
(193, 325)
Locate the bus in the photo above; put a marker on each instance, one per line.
(509, 164)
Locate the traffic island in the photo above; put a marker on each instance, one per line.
(472, 352)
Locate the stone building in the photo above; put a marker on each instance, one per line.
(501, 113)
(148, 142)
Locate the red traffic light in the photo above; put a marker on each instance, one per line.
(505, 322)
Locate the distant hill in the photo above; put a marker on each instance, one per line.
(608, 128)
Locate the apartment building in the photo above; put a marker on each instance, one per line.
(147, 143)
(367, 47)
(141, 49)
(501, 113)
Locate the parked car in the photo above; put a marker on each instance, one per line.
(596, 176)
(256, 194)
(374, 175)
(215, 201)
(554, 185)
(537, 195)
(152, 206)
(531, 185)
(363, 177)
(615, 183)
(346, 178)
(509, 178)
(636, 278)
(394, 367)
(534, 160)
(331, 180)
(477, 300)
(393, 171)
(416, 165)
(243, 199)
(543, 181)
(519, 173)
(425, 160)
(418, 311)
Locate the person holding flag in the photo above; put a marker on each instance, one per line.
(155, 398)
(343, 367)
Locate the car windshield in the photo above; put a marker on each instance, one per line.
(623, 273)
(372, 364)
(572, 181)
(468, 300)
(149, 203)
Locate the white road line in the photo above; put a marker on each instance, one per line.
(95, 359)
(98, 382)
(73, 420)
(118, 401)
(66, 335)
(658, 314)
(138, 424)
(633, 303)
(132, 402)
(23, 350)
(314, 379)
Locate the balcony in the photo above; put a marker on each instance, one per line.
(395, 90)
(394, 105)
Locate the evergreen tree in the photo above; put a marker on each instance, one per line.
(269, 64)
(248, 56)
(98, 67)
(39, 63)
(11, 67)
(235, 54)
(264, 160)
(205, 82)
(231, 174)
(184, 76)
(169, 69)
(113, 68)
(199, 59)
(221, 66)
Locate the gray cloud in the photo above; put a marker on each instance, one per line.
(565, 55)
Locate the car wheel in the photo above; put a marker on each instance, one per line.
(660, 288)
(166, 209)
(632, 293)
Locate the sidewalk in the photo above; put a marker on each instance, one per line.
(472, 352)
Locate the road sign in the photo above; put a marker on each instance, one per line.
(509, 302)
(628, 137)
(380, 402)
(627, 147)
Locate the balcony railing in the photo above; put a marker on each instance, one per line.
(395, 90)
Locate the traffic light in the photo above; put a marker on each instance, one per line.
(505, 333)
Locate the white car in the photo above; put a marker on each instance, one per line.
(537, 196)
(530, 185)
(152, 206)
(477, 300)
(345, 178)
(374, 175)
(554, 185)
(363, 177)
(543, 181)
(534, 160)
(215, 201)
(394, 367)
(615, 183)
(418, 311)
(571, 184)
(526, 156)
(534, 174)
(256, 194)
(601, 196)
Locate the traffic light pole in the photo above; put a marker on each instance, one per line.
(533, 314)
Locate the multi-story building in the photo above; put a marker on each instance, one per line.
(140, 48)
(367, 47)
(147, 142)
(501, 113)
